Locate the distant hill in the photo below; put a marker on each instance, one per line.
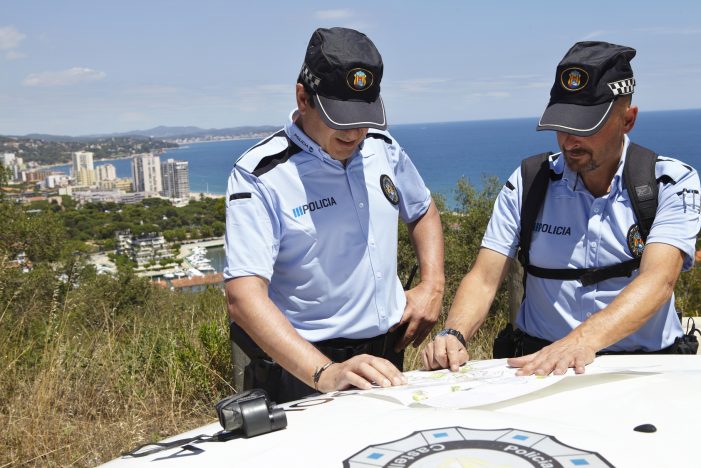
(163, 132)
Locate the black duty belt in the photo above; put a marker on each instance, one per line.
(336, 349)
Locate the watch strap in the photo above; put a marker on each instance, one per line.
(455, 333)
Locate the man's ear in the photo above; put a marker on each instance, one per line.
(631, 113)
(302, 99)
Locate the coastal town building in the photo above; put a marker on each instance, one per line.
(106, 172)
(83, 168)
(176, 179)
(143, 249)
(14, 164)
(146, 173)
(83, 196)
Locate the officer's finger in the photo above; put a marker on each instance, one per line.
(524, 363)
(427, 356)
(561, 367)
(440, 353)
(579, 364)
(381, 372)
(457, 354)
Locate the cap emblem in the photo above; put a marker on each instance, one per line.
(359, 79)
(574, 79)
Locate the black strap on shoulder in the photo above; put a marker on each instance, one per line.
(641, 184)
(535, 174)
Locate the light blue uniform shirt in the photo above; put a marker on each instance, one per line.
(576, 230)
(323, 235)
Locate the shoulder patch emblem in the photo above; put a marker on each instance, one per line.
(636, 245)
(389, 189)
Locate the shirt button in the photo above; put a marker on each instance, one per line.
(596, 210)
(378, 275)
(593, 244)
(361, 205)
(588, 314)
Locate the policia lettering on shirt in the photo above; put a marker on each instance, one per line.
(603, 282)
(550, 229)
(311, 275)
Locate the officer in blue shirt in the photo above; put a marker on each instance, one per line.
(586, 223)
(311, 235)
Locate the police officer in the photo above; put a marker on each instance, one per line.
(586, 223)
(311, 235)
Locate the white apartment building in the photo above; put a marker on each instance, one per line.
(83, 169)
(106, 172)
(148, 247)
(13, 163)
(146, 172)
(176, 179)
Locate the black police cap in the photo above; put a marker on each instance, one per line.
(588, 80)
(344, 69)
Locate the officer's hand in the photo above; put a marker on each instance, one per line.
(556, 358)
(443, 352)
(423, 306)
(362, 372)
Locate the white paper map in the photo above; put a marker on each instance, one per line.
(477, 383)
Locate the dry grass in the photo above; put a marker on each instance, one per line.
(83, 381)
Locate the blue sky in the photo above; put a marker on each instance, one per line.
(84, 67)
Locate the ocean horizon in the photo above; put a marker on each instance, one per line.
(445, 152)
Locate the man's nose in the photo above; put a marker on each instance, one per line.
(568, 141)
(351, 133)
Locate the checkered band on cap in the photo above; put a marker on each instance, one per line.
(309, 78)
(622, 87)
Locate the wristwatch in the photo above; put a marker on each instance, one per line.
(455, 333)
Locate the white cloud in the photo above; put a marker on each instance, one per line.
(594, 35)
(14, 55)
(72, 76)
(333, 14)
(10, 37)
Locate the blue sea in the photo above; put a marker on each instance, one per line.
(444, 152)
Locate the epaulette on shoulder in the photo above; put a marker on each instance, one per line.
(670, 170)
(266, 155)
(380, 135)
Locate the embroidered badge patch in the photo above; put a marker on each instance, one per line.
(359, 79)
(389, 189)
(636, 245)
(574, 79)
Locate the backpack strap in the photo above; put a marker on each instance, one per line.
(641, 184)
(535, 175)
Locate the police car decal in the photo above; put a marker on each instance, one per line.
(462, 446)
(389, 189)
(636, 245)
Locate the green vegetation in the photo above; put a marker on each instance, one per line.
(98, 222)
(94, 365)
(58, 151)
